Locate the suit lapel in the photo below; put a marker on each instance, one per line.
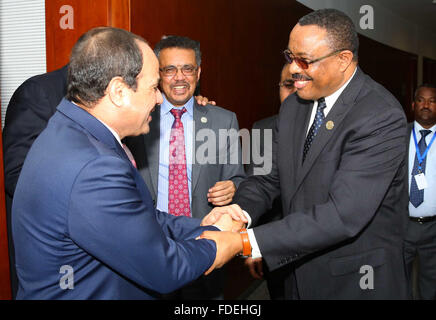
(336, 115)
(152, 147)
(199, 114)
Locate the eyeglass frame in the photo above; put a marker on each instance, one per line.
(287, 53)
(195, 69)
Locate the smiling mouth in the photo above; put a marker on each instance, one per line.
(180, 88)
(300, 81)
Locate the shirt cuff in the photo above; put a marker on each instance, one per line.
(248, 218)
(255, 251)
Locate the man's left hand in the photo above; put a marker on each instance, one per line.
(202, 101)
(221, 193)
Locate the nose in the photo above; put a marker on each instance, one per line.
(429, 102)
(294, 67)
(179, 74)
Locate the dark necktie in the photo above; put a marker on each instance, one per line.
(178, 189)
(416, 195)
(317, 122)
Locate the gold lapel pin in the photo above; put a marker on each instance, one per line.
(203, 119)
(329, 125)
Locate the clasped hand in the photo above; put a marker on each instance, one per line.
(229, 219)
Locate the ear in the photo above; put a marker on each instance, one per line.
(345, 59)
(198, 75)
(118, 92)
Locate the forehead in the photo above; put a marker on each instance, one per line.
(176, 56)
(305, 40)
(426, 92)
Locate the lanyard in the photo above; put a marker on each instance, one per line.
(418, 154)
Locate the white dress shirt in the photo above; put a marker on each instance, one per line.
(428, 207)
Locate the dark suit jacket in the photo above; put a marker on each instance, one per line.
(344, 208)
(145, 149)
(79, 202)
(30, 108)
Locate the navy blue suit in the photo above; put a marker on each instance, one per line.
(79, 202)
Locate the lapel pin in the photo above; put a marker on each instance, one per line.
(329, 125)
(203, 119)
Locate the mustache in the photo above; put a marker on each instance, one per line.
(300, 77)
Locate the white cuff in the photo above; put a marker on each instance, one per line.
(255, 251)
(248, 218)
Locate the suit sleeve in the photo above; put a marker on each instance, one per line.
(372, 156)
(27, 115)
(179, 228)
(234, 169)
(109, 219)
(256, 194)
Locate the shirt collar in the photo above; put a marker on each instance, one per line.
(331, 99)
(418, 127)
(166, 106)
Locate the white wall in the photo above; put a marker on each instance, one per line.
(22, 45)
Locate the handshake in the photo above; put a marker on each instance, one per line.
(229, 242)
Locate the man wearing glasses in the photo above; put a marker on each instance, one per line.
(170, 157)
(339, 166)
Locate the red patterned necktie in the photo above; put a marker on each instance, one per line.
(178, 192)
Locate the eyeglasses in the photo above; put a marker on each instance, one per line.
(170, 71)
(288, 84)
(303, 63)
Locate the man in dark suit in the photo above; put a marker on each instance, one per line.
(29, 109)
(420, 242)
(339, 165)
(209, 181)
(84, 225)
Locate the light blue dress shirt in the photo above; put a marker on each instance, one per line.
(166, 122)
(428, 207)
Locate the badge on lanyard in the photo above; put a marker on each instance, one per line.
(421, 181)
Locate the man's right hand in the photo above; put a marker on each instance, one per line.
(239, 219)
(228, 245)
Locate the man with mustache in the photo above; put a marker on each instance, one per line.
(201, 186)
(420, 239)
(339, 166)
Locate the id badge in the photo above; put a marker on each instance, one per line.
(421, 181)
